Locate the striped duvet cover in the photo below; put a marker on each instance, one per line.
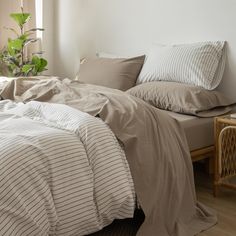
(62, 172)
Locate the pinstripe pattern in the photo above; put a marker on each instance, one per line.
(62, 172)
(200, 64)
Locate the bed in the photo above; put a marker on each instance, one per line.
(193, 107)
(43, 119)
(181, 79)
(77, 154)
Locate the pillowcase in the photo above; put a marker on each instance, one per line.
(183, 98)
(109, 55)
(119, 73)
(200, 64)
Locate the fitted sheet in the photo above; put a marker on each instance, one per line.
(199, 131)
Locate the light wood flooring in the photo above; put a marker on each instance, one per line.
(224, 204)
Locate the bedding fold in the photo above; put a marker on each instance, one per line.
(155, 147)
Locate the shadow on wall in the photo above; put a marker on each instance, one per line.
(66, 38)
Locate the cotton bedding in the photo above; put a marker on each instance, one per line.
(198, 131)
(56, 167)
(162, 177)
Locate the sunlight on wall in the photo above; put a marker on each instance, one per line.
(48, 35)
(39, 17)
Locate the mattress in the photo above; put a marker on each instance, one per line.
(199, 131)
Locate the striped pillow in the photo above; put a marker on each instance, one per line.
(200, 64)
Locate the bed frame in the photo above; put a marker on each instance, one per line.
(207, 154)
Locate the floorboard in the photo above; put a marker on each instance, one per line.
(224, 205)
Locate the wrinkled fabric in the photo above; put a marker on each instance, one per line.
(154, 144)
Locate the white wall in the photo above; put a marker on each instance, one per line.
(48, 45)
(67, 25)
(6, 7)
(131, 26)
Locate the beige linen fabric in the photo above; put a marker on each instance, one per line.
(183, 98)
(113, 73)
(199, 131)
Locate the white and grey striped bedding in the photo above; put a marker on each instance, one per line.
(200, 64)
(62, 172)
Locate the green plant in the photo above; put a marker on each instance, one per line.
(13, 58)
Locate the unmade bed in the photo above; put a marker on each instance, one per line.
(41, 112)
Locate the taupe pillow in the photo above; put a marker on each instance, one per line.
(183, 98)
(119, 73)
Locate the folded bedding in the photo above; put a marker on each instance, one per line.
(63, 126)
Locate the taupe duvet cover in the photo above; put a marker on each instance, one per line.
(154, 144)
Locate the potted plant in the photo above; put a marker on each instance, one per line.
(13, 58)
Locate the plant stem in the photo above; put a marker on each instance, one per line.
(22, 50)
(22, 32)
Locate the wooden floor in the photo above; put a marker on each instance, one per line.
(225, 206)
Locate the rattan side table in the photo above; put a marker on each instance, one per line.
(225, 145)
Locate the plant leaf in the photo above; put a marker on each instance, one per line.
(27, 68)
(23, 37)
(35, 60)
(20, 18)
(14, 45)
(43, 64)
(40, 64)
